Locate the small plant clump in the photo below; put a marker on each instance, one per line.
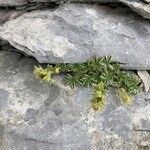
(46, 74)
(125, 97)
(99, 73)
(99, 96)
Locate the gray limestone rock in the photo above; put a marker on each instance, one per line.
(75, 33)
(139, 7)
(142, 7)
(13, 2)
(40, 116)
(145, 78)
(3, 98)
(6, 15)
(136, 5)
(147, 1)
(79, 1)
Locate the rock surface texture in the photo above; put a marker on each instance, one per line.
(75, 32)
(36, 116)
(145, 78)
(6, 15)
(79, 1)
(142, 7)
(40, 116)
(12, 2)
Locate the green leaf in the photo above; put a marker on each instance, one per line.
(71, 80)
(87, 80)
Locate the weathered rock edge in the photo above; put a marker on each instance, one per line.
(142, 7)
(75, 33)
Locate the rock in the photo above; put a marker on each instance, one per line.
(40, 116)
(3, 98)
(142, 9)
(75, 33)
(145, 77)
(6, 15)
(76, 1)
(138, 6)
(147, 1)
(12, 2)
